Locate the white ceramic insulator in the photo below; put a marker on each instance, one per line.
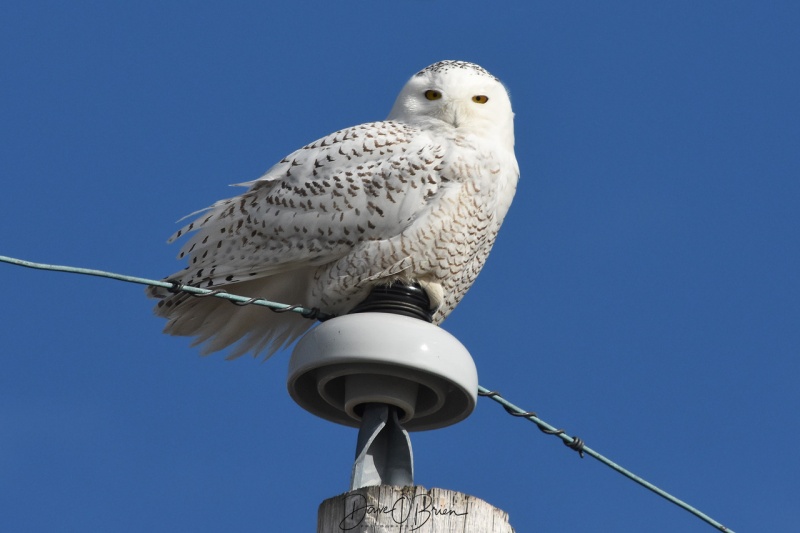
(383, 358)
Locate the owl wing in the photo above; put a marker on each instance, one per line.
(368, 182)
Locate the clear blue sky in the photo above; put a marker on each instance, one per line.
(643, 294)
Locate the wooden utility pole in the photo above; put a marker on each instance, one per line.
(414, 509)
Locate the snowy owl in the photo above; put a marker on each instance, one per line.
(418, 197)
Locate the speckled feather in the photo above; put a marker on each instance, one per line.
(418, 197)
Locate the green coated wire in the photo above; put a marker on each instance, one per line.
(578, 445)
(171, 286)
(572, 442)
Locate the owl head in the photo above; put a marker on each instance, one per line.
(456, 95)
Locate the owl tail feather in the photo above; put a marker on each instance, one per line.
(216, 324)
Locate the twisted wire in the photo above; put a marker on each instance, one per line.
(174, 287)
(579, 445)
(574, 443)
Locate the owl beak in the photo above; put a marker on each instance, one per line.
(454, 114)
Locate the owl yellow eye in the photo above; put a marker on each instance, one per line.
(430, 94)
(480, 99)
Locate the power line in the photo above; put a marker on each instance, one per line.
(578, 445)
(574, 442)
(312, 313)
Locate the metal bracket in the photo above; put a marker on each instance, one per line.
(383, 450)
